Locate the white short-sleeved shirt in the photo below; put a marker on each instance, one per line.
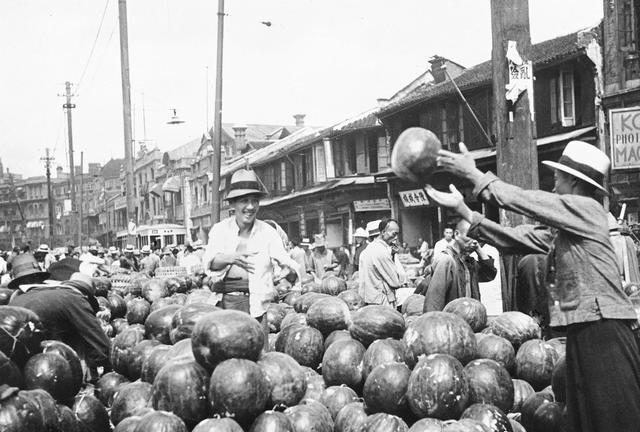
(224, 238)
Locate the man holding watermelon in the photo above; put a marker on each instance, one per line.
(586, 296)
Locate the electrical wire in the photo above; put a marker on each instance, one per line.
(93, 47)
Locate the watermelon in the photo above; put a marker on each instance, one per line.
(129, 424)
(382, 422)
(310, 416)
(122, 354)
(550, 417)
(332, 285)
(489, 415)
(535, 361)
(67, 420)
(489, 382)
(160, 421)
(380, 352)
(129, 399)
(306, 345)
(386, 387)
(427, 425)
(183, 348)
(9, 372)
(315, 385)
(515, 327)
(117, 305)
(496, 348)
(335, 398)
(329, 314)
(531, 405)
(352, 299)
(163, 302)
(107, 387)
(521, 391)
(47, 408)
(218, 425)
(50, 372)
(119, 324)
(20, 333)
(559, 380)
(291, 297)
(226, 334)
(440, 332)
(342, 364)
(412, 305)
(158, 323)
(19, 412)
(181, 387)
(275, 314)
(272, 421)
(285, 377)
(157, 357)
(559, 344)
(293, 318)
(139, 355)
(70, 356)
(238, 388)
(304, 302)
(336, 335)
(201, 296)
(138, 309)
(154, 289)
(350, 418)
(91, 413)
(470, 310)
(438, 387)
(376, 322)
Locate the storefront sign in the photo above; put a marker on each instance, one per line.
(372, 205)
(414, 198)
(625, 137)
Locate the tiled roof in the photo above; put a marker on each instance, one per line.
(481, 74)
(112, 168)
(187, 150)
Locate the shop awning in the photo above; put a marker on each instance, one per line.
(156, 189)
(172, 184)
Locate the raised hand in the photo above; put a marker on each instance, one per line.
(242, 260)
(453, 200)
(461, 164)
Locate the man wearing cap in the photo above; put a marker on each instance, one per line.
(67, 310)
(299, 255)
(360, 237)
(379, 276)
(585, 290)
(128, 256)
(43, 257)
(149, 262)
(322, 259)
(241, 249)
(168, 260)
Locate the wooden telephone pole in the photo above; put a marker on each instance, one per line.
(72, 179)
(514, 125)
(47, 164)
(217, 122)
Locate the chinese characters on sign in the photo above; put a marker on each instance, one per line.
(371, 205)
(625, 137)
(414, 198)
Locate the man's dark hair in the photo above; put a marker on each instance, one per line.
(384, 222)
(124, 263)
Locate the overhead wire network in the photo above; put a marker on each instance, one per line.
(93, 46)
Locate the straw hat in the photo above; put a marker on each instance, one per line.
(373, 228)
(129, 248)
(22, 266)
(244, 182)
(43, 248)
(146, 249)
(319, 241)
(583, 161)
(361, 232)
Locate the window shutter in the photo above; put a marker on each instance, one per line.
(553, 99)
(320, 171)
(361, 156)
(383, 152)
(568, 98)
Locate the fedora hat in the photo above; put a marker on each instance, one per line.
(146, 249)
(305, 242)
(373, 228)
(129, 248)
(583, 161)
(63, 269)
(319, 241)
(244, 182)
(23, 266)
(43, 248)
(361, 232)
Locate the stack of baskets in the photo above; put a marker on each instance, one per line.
(122, 283)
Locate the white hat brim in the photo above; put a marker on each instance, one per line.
(236, 193)
(575, 173)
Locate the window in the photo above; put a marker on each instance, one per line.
(350, 155)
(562, 99)
(283, 175)
(205, 195)
(372, 143)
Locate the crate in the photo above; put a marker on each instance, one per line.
(174, 271)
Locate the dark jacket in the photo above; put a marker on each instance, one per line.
(586, 285)
(67, 316)
(448, 281)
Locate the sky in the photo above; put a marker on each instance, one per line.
(328, 59)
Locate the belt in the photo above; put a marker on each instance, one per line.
(237, 293)
(232, 285)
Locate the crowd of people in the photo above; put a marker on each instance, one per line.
(571, 273)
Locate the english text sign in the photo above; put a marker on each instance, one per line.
(625, 137)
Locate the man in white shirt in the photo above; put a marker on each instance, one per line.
(442, 244)
(241, 249)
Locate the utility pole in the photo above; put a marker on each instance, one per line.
(514, 126)
(69, 106)
(12, 187)
(47, 164)
(217, 122)
(126, 113)
(80, 204)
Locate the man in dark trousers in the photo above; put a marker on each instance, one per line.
(66, 309)
(585, 290)
(455, 273)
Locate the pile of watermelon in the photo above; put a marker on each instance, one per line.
(329, 363)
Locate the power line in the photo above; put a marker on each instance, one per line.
(93, 47)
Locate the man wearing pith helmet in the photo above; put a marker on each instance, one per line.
(241, 249)
(584, 287)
